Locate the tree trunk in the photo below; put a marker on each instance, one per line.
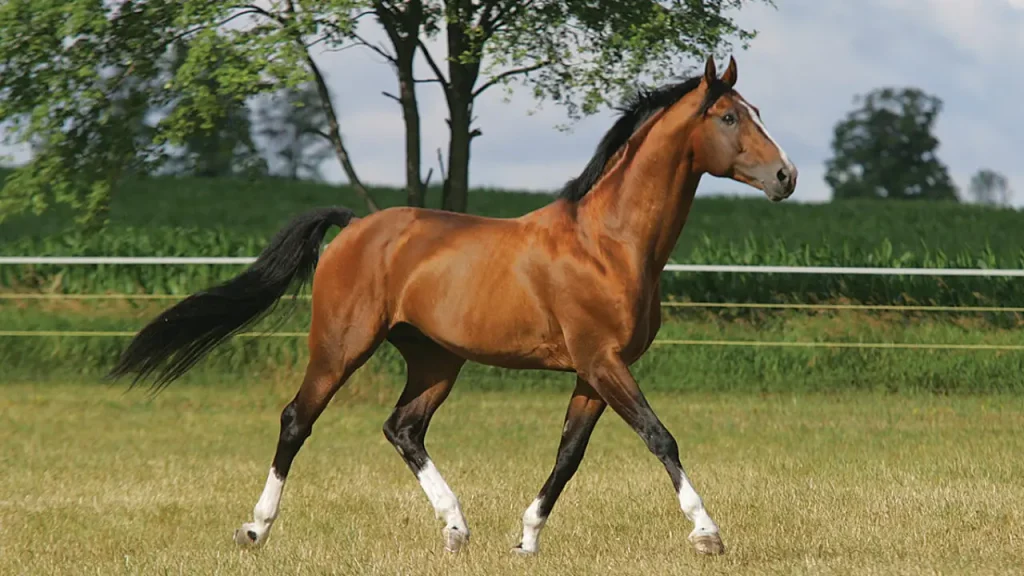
(463, 70)
(333, 135)
(456, 189)
(415, 192)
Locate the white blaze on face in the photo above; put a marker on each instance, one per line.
(760, 126)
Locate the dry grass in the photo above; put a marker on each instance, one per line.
(98, 482)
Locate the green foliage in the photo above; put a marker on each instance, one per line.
(223, 144)
(74, 74)
(585, 55)
(292, 123)
(886, 149)
(64, 89)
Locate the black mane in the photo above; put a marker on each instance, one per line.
(635, 112)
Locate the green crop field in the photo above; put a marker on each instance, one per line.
(197, 217)
(242, 208)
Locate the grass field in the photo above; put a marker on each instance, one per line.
(681, 363)
(97, 481)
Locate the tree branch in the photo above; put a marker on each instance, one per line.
(433, 66)
(253, 8)
(392, 96)
(190, 31)
(380, 51)
(490, 24)
(334, 133)
(508, 74)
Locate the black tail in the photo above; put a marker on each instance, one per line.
(185, 333)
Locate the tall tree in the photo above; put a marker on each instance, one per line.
(885, 148)
(579, 54)
(991, 188)
(291, 123)
(65, 63)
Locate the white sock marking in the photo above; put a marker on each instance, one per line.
(267, 507)
(446, 505)
(533, 522)
(693, 508)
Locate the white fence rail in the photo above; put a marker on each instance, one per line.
(725, 268)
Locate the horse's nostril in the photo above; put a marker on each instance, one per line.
(782, 175)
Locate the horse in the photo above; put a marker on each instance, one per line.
(570, 287)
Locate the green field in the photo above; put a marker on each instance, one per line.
(814, 459)
(242, 208)
(678, 362)
(196, 217)
(97, 481)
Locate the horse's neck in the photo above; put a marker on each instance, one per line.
(645, 205)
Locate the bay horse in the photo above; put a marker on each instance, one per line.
(570, 287)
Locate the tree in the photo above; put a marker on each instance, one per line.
(886, 149)
(64, 65)
(224, 146)
(291, 123)
(579, 54)
(991, 188)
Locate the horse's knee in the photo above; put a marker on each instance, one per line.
(293, 431)
(407, 440)
(391, 431)
(662, 444)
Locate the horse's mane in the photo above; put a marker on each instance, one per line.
(636, 111)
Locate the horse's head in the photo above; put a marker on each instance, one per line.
(732, 142)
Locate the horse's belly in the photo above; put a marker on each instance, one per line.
(508, 330)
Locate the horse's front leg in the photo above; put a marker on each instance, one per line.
(610, 377)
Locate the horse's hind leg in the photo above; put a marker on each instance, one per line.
(584, 411)
(336, 351)
(432, 371)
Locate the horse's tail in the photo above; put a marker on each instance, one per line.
(185, 333)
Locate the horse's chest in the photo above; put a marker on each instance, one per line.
(643, 324)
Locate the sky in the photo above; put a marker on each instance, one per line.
(808, 62)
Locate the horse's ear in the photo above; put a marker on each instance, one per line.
(730, 73)
(710, 73)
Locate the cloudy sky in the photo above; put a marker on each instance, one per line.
(810, 59)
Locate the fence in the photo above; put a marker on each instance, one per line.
(238, 260)
(671, 268)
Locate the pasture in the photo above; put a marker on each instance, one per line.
(812, 460)
(100, 481)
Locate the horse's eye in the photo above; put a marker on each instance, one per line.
(729, 118)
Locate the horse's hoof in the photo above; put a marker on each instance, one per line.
(249, 537)
(710, 544)
(455, 538)
(520, 551)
